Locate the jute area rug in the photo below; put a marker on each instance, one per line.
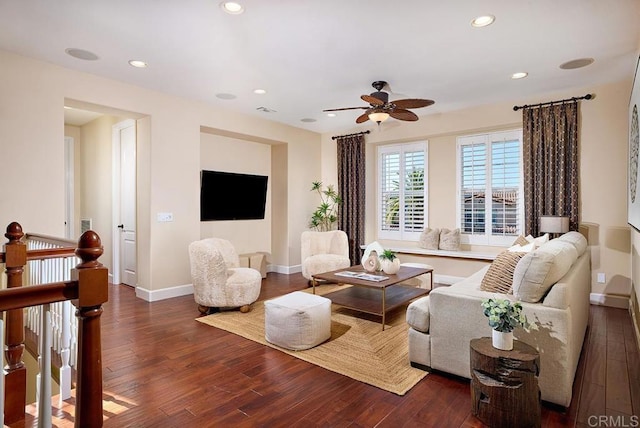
(358, 348)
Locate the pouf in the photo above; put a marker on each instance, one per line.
(297, 320)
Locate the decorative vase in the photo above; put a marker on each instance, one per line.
(371, 264)
(390, 267)
(502, 340)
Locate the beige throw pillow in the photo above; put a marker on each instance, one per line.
(429, 239)
(449, 239)
(520, 240)
(499, 277)
(538, 270)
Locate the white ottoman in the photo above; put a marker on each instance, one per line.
(297, 320)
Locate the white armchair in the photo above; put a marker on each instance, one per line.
(218, 280)
(323, 252)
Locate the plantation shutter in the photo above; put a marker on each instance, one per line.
(472, 196)
(490, 208)
(390, 191)
(414, 193)
(505, 187)
(402, 194)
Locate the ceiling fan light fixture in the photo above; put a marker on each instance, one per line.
(378, 116)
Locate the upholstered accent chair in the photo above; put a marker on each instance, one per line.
(218, 280)
(323, 252)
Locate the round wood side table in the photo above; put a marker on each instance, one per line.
(504, 384)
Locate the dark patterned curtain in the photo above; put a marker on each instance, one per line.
(351, 187)
(551, 168)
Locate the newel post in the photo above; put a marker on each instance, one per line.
(16, 379)
(93, 291)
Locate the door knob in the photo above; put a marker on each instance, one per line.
(121, 226)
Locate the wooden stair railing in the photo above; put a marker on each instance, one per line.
(88, 290)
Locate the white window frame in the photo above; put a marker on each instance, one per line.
(488, 238)
(400, 234)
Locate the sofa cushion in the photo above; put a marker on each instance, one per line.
(499, 277)
(577, 239)
(429, 239)
(449, 239)
(538, 270)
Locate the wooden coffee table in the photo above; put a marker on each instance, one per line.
(373, 297)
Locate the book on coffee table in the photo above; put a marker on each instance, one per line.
(362, 275)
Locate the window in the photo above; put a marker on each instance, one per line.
(402, 191)
(490, 206)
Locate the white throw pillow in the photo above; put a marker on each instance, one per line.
(538, 270)
(522, 248)
(539, 240)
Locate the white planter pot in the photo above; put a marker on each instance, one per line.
(390, 267)
(502, 340)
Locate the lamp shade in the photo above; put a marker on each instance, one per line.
(554, 224)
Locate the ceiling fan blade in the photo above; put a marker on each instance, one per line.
(363, 117)
(413, 103)
(372, 100)
(346, 108)
(402, 114)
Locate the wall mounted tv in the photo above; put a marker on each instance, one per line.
(231, 196)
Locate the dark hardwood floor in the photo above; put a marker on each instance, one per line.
(163, 369)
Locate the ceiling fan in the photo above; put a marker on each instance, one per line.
(380, 108)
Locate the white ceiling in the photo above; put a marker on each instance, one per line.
(312, 55)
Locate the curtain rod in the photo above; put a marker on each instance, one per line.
(574, 99)
(350, 135)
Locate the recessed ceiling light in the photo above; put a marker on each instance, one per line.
(232, 7)
(519, 75)
(483, 21)
(137, 63)
(331, 114)
(577, 63)
(259, 91)
(81, 54)
(224, 96)
(307, 120)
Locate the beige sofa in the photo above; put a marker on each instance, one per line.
(443, 323)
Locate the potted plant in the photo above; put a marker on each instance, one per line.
(326, 215)
(389, 262)
(504, 316)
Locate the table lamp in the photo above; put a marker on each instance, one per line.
(554, 224)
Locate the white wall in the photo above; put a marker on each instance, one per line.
(227, 154)
(169, 131)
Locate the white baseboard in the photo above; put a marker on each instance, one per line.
(165, 293)
(287, 270)
(613, 301)
(446, 279)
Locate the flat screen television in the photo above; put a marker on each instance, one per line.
(232, 196)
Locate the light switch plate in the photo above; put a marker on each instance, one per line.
(164, 217)
(601, 278)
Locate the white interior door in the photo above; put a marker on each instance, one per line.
(125, 133)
